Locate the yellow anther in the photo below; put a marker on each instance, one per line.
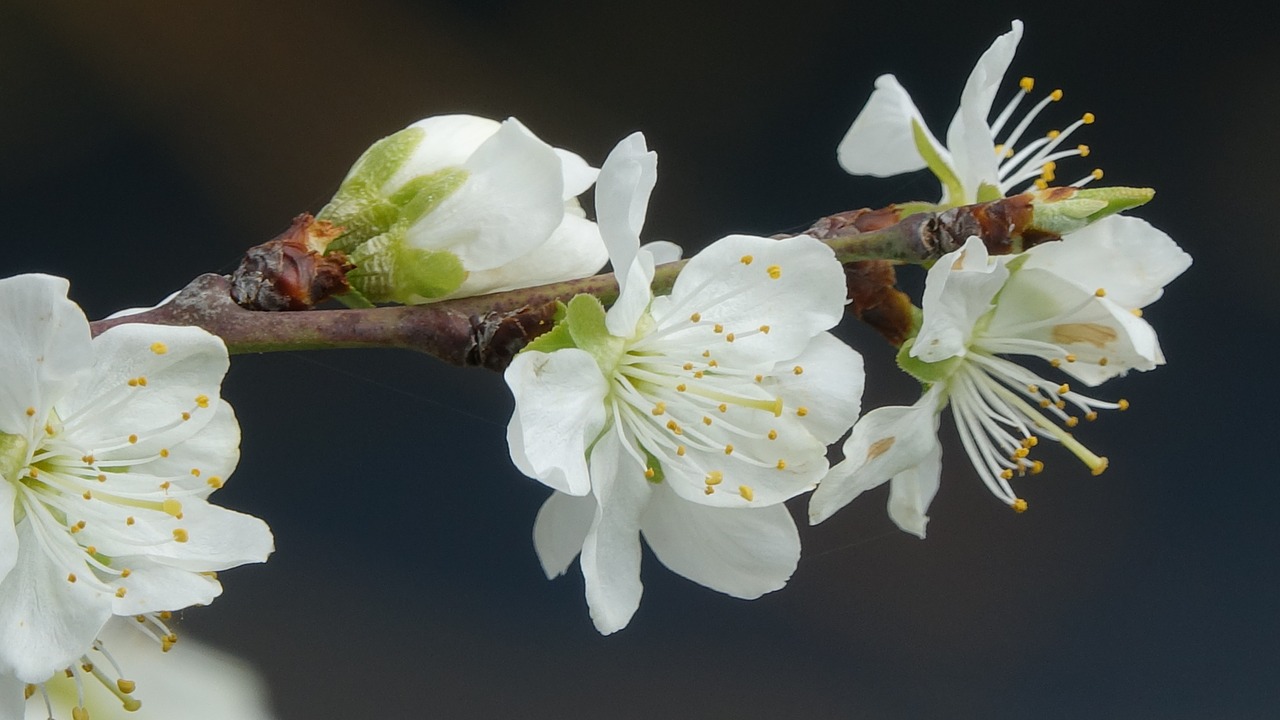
(48, 429)
(31, 411)
(1053, 134)
(1102, 361)
(91, 549)
(722, 407)
(186, 416)
(126, 573)
(802, 411)
(142, 380)
(80, 525)
(87, 495)
(1019, 505)
(708, 490)
(764, 329)
(1055, 362)
(129, 520)
(1030, 441)
(687, 366)
(195, 471)
(746, 259)
(1071, 357)
(759, 378)
(1041, 184)
(120, 591)
(71, 578)
(1083, 150)
(1137, 312)
(728, 449)
(1007, 474)
(88, 459)
(659, 408)
(1101, 467)
(133, 439)
(746, 492)
(1027, 83)
(712, 364)
(87, 667)
(1072, 421)
(1021, 453)
(133, 382)
(28, 691)
(775, 271)
(126, 686)
(1087, 118)
(172, 507)
(1037, 467)
(79, 713)
(999, 150)
(730, 337)
(706, 420)
(1097, 173)
(33, 472)
(167, 642)
(131, 704)
(1122, 404)
(782, 465)
(1056, 95)
(698, 375)
(1061, 404)
(164, 452)
(715, 477)
(1091, 416)
(696, 317)
(214, 481)
(181, 535)
(1033, 389)
(649, 473)
(674, 427)
(165, 485)
(680, 450)
(706, 353)
(717, 328)
(773, 434)
(682, 387)
(202, 401)
(159, 348)
(797, 370)
(166, 615)
(1045, 404)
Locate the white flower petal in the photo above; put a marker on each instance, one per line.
(828, 385)
(958, 291)
(880, 142)
(560, 409)
(46, 622)
(663, 251)
(574, 250)
(511, 202)
(213, 452)
(155, 588)
(885, 443)
(578, 175)
(144, 377)
(8, 532)
(611, 551)
(138, 311)
(794, 287)
(560, 529)
(626, 180)
(912, 490)
(447, 141)
(217, 539)
(44, 345)
(744, 553)
(969, 135)
(1125, 256)
(633, 302)
(11, 697)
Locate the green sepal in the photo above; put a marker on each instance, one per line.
(381, 161)
(13, 453)
(558, 338)
(1117, 199)
(1083, 207)
(915, 207)
(988, 192)
(354, 299)
(585, 318)
(388, 269)
(935, 163)
(652, 462)
(926, 372)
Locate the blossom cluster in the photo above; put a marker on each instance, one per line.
(682, 415)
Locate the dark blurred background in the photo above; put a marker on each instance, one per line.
(145, 143)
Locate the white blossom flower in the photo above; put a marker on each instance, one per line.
(977, 164)
(688, 418)
(1075, 303)
(109, 448)
(193, 682)
(458, 205)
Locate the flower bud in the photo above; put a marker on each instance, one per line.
(459, 205)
